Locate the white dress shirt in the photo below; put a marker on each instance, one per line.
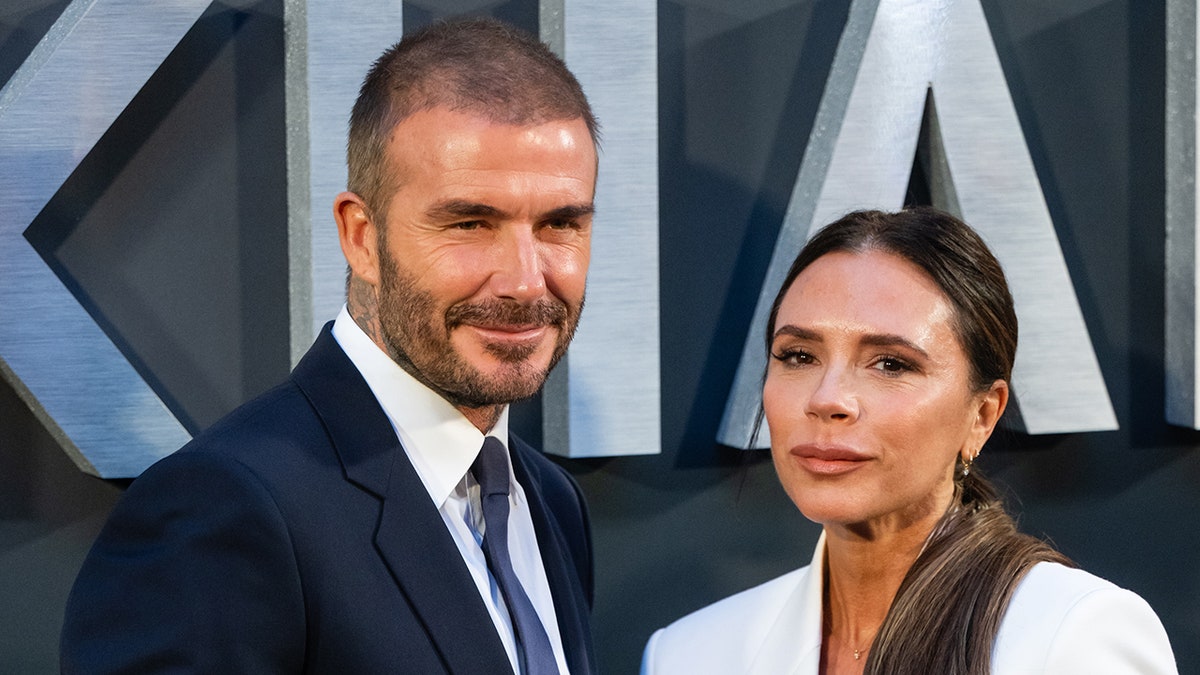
(442, 445)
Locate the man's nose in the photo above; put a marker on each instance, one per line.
(519, 273)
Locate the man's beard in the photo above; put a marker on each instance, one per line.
(417, 338)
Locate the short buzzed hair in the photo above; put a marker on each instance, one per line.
(480, 66)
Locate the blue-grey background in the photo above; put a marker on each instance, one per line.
(186, 195)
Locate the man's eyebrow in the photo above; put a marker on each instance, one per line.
(453, 209)
(570, 212)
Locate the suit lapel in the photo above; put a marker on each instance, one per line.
(411, 537)
(428, 567)
(570, 605)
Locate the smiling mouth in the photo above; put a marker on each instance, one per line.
(511, 343)
(511, 332)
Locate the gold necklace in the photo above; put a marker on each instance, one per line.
(827, 623)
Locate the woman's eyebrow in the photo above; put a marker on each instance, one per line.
(871, 339)
(892, 340)
(797, 332)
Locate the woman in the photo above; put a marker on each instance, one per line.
(891, 347)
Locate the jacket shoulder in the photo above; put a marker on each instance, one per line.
(1062, 619)
(280, 411)
(726, 636)
(175, 576)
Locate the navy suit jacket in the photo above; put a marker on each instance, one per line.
(294, 536)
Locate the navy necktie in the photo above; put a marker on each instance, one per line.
(534, 653)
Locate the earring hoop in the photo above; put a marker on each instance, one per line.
(967, 462)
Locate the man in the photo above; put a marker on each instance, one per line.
(337, 524)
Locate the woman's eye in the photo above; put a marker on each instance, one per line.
(793, 357)
(892, 365)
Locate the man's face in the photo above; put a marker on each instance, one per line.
(483, 252)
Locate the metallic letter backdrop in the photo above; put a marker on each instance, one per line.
(610, 378)
(893, 55)
(55, 107)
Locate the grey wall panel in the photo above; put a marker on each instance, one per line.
(604, 399)
(1181, 277)
(331, 46)
(52, 111)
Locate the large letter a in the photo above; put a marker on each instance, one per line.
(860, 154)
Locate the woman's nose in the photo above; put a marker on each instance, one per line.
(833, 399)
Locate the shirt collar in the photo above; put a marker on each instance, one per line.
(439, 441)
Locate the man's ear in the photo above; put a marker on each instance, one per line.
(358, 236)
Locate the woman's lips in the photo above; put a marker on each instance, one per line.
(829, 460)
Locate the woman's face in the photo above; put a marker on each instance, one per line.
(868, 393)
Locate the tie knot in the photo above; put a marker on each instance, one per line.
(491, 468)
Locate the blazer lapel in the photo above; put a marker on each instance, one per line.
(411, 537)
(570, 605)
(793, 644)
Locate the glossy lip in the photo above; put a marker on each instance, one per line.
(829, 460)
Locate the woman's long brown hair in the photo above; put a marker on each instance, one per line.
(948, 609)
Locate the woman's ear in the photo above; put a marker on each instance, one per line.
(358, 236)
(990, 406)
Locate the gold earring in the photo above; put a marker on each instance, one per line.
(967, 462)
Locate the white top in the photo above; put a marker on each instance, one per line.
(1060, 621)
(441, 444)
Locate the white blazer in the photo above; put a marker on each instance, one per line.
(1060, 620)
